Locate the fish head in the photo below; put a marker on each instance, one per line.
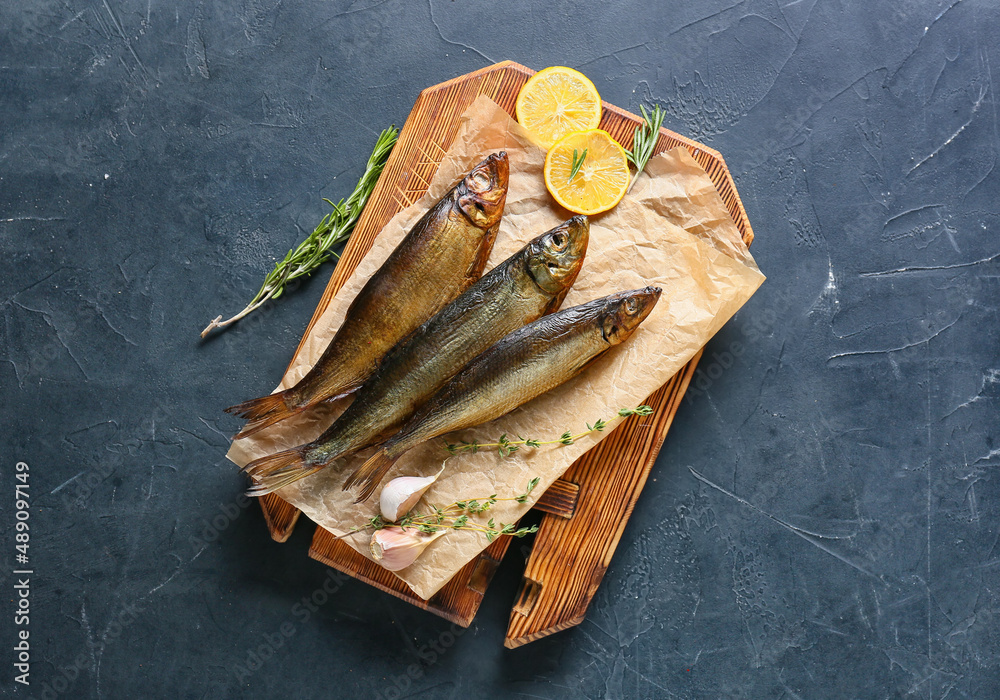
(624, 311)
(483, 192)
(555, 257)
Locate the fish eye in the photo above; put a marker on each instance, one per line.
(559, 239)
(479, 181)
(630, 305)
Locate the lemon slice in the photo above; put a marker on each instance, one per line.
(599, 183)
(557, 101)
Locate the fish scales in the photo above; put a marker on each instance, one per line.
(525, 364)
(530, 283)
(444, 253)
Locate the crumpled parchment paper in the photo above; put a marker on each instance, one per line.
(672, 230)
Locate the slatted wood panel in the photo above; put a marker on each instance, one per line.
(569, 557)
(559, 499)
(459, 600)
(559, 580)
(280, 516)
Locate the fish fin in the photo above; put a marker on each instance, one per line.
(370, 474)
(262, 412)
(482, 255)
(276, 471)
(556, 301)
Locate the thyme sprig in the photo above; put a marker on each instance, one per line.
(505, 446)
(455, 516)
(644, 139)
(335, 228)
(577, 163)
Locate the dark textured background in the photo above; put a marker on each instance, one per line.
(823, 519)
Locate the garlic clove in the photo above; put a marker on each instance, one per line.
(396, 548)
(402, 493)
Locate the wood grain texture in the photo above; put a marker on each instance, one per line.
(569, 556)
(458, 601)
(559, 499)
(280, 516)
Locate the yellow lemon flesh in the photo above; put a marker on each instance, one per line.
(557, 101)
(599, 183)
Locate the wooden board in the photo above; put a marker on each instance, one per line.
(569, 556)
(459, 600)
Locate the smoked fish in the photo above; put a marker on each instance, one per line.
(529, 284)
(444, 253)
(525, 364)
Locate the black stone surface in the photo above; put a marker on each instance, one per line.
(822, 521)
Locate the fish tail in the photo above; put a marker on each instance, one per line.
(262, 412)
(275, 471)
(371, 473)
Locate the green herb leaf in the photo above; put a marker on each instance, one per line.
(644, 139)
(577, 163)
(335, 228)
(457, 516)
(505, 446)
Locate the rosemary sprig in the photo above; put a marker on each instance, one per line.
(644, 139)
(505, 446)
(336, 227)
(577, 164)
(455, 516)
